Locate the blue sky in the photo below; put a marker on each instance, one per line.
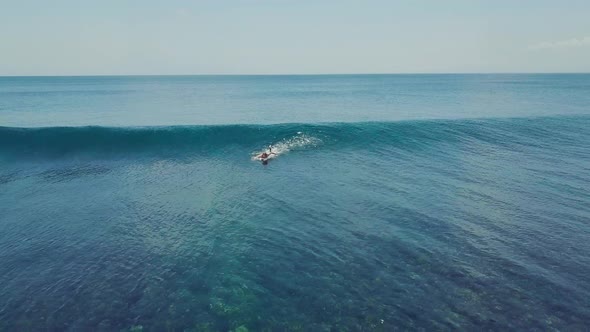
(67, 37)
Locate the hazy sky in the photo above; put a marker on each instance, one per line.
(79, 37)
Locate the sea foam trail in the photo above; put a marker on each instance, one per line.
(297, 142)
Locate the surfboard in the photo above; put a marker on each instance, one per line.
(271, 156)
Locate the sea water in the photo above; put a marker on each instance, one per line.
(410, 202)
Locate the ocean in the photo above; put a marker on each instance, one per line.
(394, 202)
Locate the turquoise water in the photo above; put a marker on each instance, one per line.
(433, 202)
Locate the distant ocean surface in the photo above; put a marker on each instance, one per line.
(395, 202)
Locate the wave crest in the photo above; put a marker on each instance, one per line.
(410, 135)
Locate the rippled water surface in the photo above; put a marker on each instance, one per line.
(436, 224)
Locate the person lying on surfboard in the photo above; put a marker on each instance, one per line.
(265, 155)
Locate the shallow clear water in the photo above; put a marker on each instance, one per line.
(440, 223)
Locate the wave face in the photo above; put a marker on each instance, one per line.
(63, 141)
(191, 140)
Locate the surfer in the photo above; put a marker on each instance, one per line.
(265, 154)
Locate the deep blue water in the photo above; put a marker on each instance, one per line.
(410, 202)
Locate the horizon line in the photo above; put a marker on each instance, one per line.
(315, 74)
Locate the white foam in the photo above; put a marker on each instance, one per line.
(285, 145)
